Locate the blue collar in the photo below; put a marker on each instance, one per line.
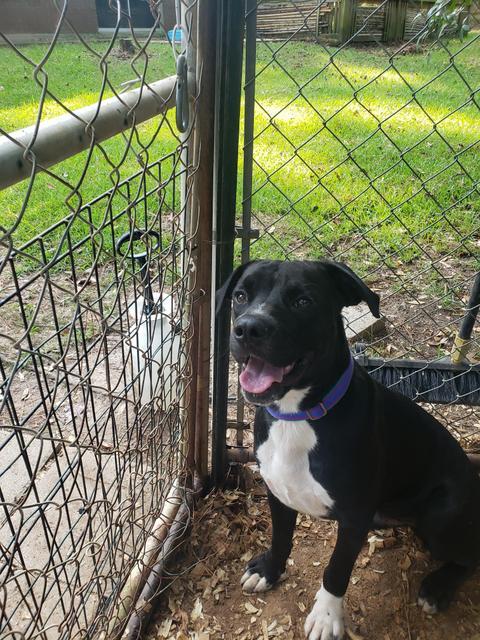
(321, 409)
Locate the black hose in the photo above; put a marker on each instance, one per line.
(466, 326)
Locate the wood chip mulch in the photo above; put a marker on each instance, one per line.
(205, 601)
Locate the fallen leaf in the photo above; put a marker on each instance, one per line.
(391, 541)
(164, 629)
(250, 608)
(265, 630)
(197, 611)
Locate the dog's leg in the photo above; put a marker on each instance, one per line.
(438, 588)
(325, 620)
(452, 536)
(267, 569)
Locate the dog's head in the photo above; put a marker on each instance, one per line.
(287, 321)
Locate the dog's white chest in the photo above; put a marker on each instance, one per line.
(284, 465)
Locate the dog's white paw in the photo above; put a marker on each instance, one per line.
(431, 609)
(254, 582)
(325, 620)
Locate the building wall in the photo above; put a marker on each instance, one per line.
(41, 16)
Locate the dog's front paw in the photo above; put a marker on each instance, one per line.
(261, 574)
(325, 620)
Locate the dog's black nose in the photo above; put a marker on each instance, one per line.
(252, 328)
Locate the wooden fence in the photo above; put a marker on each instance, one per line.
(339, 21)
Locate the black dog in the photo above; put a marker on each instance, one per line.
(332, 442)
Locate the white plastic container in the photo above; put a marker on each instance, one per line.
(154, 347)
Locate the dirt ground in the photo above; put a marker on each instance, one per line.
(207, 603)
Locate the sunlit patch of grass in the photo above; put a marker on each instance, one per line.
(357, 149)
(364, 150)
(75, 77)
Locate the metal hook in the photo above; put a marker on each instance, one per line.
(142, 258)
(182, 111)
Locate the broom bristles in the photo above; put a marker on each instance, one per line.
(426, 384)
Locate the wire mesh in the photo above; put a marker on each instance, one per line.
(95, 293)
(361, 135)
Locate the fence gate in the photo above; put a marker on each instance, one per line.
(361, 138)
(102, 293)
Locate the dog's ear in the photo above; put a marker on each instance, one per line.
(225, 291)
(352, 289)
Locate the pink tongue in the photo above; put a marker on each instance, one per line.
(258, 375)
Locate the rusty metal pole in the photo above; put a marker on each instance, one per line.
(203, 200)
(200, 235)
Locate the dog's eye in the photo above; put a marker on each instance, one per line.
(302, 301)
(240, 297)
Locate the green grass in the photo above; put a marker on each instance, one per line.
(353, 156)
(75, 78)
(328, 174)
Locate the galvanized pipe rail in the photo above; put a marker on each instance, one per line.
(33, 149)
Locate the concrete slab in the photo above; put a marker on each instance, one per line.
(87, 524)
(14, 472)
(360, 323)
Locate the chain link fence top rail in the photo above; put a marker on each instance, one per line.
(364, 148)
(94, 328)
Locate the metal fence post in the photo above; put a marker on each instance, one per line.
(203, 199)
(227, 113)
(249, 123)
(248, 133)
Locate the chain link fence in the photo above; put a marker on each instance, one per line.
(96, 324)
(361, 135)
(361, 141)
